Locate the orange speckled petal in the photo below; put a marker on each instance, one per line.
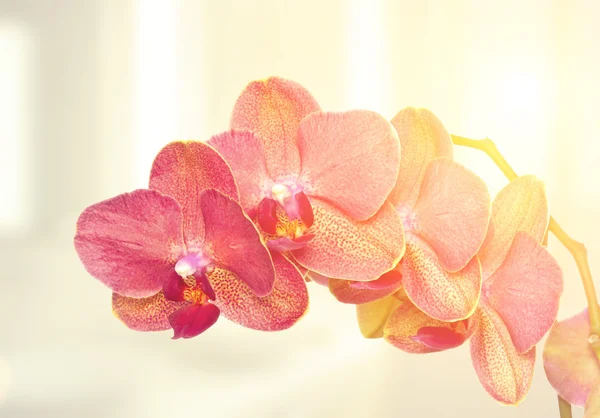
(350, 159)
(592, 406)
(372, 316)
(525, 291)
(362, 292)
(352, 250)
(245, 154)
(182, 170)
(405, 322)
(452, 212)
(272, 109)
(520, 206)
(146, 314)
(422, 138)
(440, 294)
(569, 360)
(281, 309)
(504, 373)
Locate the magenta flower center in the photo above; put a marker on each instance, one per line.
(409, 220)
(191, 263)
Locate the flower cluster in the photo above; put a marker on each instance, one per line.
(376, 210)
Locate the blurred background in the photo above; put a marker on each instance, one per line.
(90, 90)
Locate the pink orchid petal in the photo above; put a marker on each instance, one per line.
(525, 291)
(266, 216)
(182, 170)
(317, 278)
(352, 250)
(569, 360)
(440, 294)
(373, 316)
(411, 330)
(362, 292)
(282, 245)
(234, 243)
(272, 109)
(281, 309)
(174, 287)
(422, 138)
(129, 242)
(592, 406)
(145, 314)
(503, 372)
(350, 159)
(192, 320)
(245, 154)
(305, 209)
(520, 206)
(452, 212)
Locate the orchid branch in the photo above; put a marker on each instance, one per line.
(576, 248)
(564, 408)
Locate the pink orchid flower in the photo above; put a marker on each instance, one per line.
(445, 209)
(181, 253)
(316, 182)
(571, 365)
(519, 301)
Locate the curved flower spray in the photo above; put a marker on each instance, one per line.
(378, 211)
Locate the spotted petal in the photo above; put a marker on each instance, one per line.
(372, 316)
(183, 170)
(569, 360)
(145, 314)
(504, 373)
(233, 242)
(520, 206)
(245, 154)
(452, 212)
(281, 309)
(525, 291)
(441, 295)
(352, 250)
(272, 109)
(349, 159)
(422, 138)
(411, 330)
(130, 242)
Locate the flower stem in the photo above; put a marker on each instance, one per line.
(565, 408)
(576, 248)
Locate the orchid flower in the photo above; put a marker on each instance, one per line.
(571, 365)
(179, 254)
(519, 301)
(445, 209)
(316, 182)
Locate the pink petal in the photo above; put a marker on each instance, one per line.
(422, 138)
(272, 109)
(452, 212)
(504, 373)
(130, 242)
(245, 154)
(316, 277)
(525, 291)
(145, 314)
(266, 216)
(305, 209)
(373, 316)
(282, 245)
(440, 294)
(193, 320)
(350, 159)
(592, 406)
(411, 330)
(182, 170)
(520, 206)
(569, 360)
(362, 292)
(281, 309)
(352, 250)
(174, 288)
(234, 243)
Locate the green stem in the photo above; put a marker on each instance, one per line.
(576, 248)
